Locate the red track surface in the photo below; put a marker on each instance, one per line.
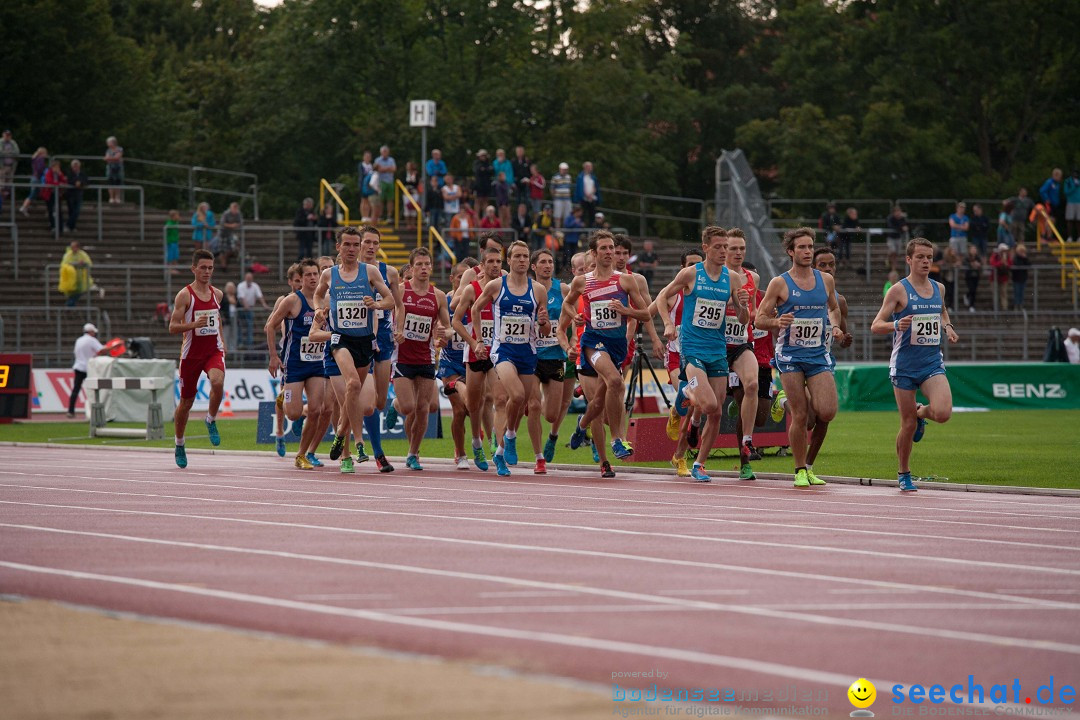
(738, 585)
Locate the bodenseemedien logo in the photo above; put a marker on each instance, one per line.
(862, 695)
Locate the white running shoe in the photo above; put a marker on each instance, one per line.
(463, 463)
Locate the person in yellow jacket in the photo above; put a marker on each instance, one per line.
(75, 273)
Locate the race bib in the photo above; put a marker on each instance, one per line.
(603, 316)
(516, 329)
(417, 327)
(351, 315)
(709, 314)
(760, 334)
(487, 331)
(549, 340)
(311, 351)
(734, 331)
(806, 332)
(926, 329)
(378, 313)
(457, 342)
(212, 321)
(828, 340)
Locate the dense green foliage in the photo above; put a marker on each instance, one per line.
(889, 98)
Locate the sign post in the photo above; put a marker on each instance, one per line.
(422, 115)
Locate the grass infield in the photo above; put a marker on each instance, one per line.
(1034, 448)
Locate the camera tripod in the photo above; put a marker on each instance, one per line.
(635, 389)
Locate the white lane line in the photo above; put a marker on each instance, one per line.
(348, 596)
(786, 547)
(573, 552)
(524, 594)
(796, 617)
(718, 591)
(631, 609)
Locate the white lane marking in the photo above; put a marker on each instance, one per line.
(524, 594)
(719, 591)
(630, 609)
(348, 596)
(798, 617)
(787, 547)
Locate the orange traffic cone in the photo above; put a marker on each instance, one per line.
(227, 411)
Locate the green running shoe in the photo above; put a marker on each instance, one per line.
(802, 479)
(746, 472)
(212, 431)
(347, 465)
(181, 457)
(814, 479)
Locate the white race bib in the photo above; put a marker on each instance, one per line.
(378, 313)
(549, 340)
(760, 334)
(311, 351)
(351, 315)
(926, 329)
(487, 331)
(805, 332)
(211, 327)
(709, 314)
(515, 330)
(457, 342)
(734, 331)
(417, 327)
(603, 316)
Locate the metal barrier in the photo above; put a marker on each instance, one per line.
(641, 213)
(434, 234)
(739, 203)
(21, 313)
(241, 253)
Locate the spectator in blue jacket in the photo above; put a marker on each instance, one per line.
(1072, 204)
(202, 225)
(1050, 192)
(435, 167)
(503, 165)
(587, 191)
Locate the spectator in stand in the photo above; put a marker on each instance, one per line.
(543, 225)
(830, 223)
(305, 221)
(892, 279)
(973, 265)
(172, 240)
(522, 223)
(385, 166)
(9, 151)
(1022, 206)
(897, 235)
(114, 169)
(86, 347)
(39, 163)
(958, 229)
(853, 231)
(1001, 262)
(502, 199)
(247, 294)
(412, 190)
(522, 172)
(587, 191)
(1043, 217)
(1020, 265)
(435, 167)
(77, 182)
(1005, 225)
(1072, 205)
(490, 221)
(572, 228)
(327, 224)
(412, 178)
(369, 187)
(75, 276)
(951, 262)
(203, 225)
(433, 202)
(600, 223)
(55, 183)
(483, 178)
(451, 196)
(537, 183)
(232, 227)
(935, 265)
(979, 228)
(460, 226)
(1072, 346)
(647, 261)
(229, 304)
(562, 190)
(1050, 194)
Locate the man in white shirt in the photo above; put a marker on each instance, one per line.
(247, 294)
(86, 347)
(1072, 346)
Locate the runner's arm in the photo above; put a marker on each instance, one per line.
(180, 306)
(767, 318)
(882, 325)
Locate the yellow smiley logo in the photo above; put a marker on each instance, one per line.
(862, 693)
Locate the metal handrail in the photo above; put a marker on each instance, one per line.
(641, 213)
(433, 233)
(89, 313)
(399, 187)
(324, 187)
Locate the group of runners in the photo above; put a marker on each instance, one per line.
(509, 341)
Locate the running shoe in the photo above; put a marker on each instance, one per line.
(595, 452)
(755, 454)
(212, 431)
(383, 464)
(777, 409)
(302, 463)
(904, 481)
(920, 426)
(802, 479)
(298, 426)
(622, 450)
(746, 472)
(181, 457)
(390, 421)
(681, 401)
(510, 450)
(549, 449)
(733, 410)
(679, 463)
(279, 401)
(315, 462)
(814, 479)
(494, 445)
(500, 465)
(748, 453)
(578, 438)
(479, 458)
(541, 467)
(337, 447)
(673, 422)
(347, 465)
(280, 443)
(606, 471)
(449, 388)
(694, 435)
(361, 456)
(413, 463)
(698, 474)
(462, 462)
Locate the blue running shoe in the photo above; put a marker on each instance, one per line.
(681, 403)
(500, 465)
(181, 457)
(906, 483)
(313, 460)
(361, 455)
(510, 445)
(413, 463)
(578, 438)
(479, 458)
(595, 453)
(920, 426)
(280, 442)
(298, 427)
(698, 474)
(211, 430)
(549, 449)
(391, 419)
(621, 449)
